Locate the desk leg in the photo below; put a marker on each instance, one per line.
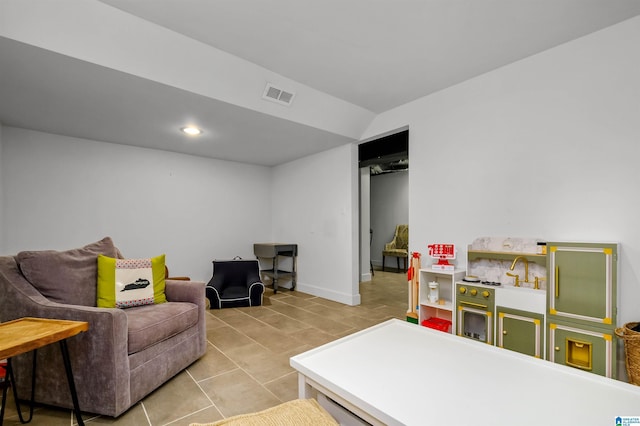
(72, 386)
(294, 271)
(275, 274)
(5, 386)
(12, 383)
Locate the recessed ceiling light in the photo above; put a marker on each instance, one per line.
(191, 131)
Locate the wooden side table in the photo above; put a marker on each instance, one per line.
(29, 334)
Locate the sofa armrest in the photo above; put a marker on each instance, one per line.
(185, 291)
(98, 356)
(101, 353)
(192, 292)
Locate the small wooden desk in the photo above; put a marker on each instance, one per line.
(272, 251)
(29, 334)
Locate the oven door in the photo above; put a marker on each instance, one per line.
(475, 321)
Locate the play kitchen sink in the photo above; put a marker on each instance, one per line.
(526, 299)
(519, 279)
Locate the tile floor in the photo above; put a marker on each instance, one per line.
(247, 365)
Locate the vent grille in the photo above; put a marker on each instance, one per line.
(275, 94)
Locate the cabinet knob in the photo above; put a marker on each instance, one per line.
(504, 332)
(486, 294)
(473, 291)
(557, 348)
(463, 290)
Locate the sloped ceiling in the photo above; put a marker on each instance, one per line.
(380, 54)
(133, 72)
(46, 91)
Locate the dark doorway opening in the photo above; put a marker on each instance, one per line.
(387, 154)
(384, 203)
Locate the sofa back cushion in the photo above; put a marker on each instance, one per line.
(69, 276)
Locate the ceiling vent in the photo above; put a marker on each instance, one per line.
(275, 94)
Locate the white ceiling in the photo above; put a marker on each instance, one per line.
(49, 92)
(377, 54)
(380, 54)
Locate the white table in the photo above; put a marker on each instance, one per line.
(397, 373)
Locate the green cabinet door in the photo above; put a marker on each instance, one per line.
(520, 331)
(588, 349)
(582, 279)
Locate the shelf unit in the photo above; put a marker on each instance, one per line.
(447, 284)
(540, 259)
(270, 253)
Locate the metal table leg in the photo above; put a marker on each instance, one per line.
(72, 386)
(5, 386)
(10, 380)
(294, 270)
(275, 274)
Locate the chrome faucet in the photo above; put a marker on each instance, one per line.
(526, 267)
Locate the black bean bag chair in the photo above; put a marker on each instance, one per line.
(235, 283)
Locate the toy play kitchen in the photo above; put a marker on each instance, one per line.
(550, 300)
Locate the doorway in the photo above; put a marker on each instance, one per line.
(384, 202)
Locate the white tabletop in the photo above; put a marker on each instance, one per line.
(405, 374)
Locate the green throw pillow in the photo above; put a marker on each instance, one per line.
(124, 283)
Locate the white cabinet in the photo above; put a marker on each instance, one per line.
(445, 306)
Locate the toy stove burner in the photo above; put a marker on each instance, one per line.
(493, 283)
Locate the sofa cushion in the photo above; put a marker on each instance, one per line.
(66, 276)
(124, 283)
(151, 324)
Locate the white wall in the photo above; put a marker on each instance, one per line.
(2, 180)
(389, 207)
(315, 203)
(545, 147)
(62, 192)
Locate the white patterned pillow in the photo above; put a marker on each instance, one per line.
(124, 283)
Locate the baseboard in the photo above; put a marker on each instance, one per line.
(365, 277)
(347, 299)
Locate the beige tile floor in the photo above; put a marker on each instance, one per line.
(246, 367)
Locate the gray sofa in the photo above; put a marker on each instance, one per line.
(125, 354)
